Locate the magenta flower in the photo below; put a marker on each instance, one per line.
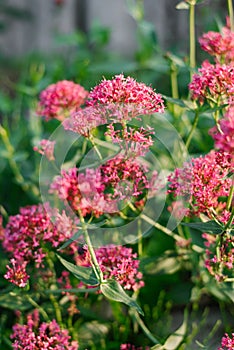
(46, 147)
(44, 336)
(227, 342)
(219, 45)
(84, 192)
(134, 142)
(61, 99)
(220, 265)
(27, 232)
(84, 120)
(132, 97)
(214, 83)
(116, 262)
(17, 273)
(124, 178)
(202, 182)
(224, 137)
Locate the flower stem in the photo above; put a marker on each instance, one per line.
(95, 264)
(231, 17)
(30, 188)
(95, 147)
(190, 135)
(145, 329)
(51, 295)
(192, 53)
(37, 306)
(230, 196)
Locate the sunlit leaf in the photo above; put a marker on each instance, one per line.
(85, 274)
(208, 226)
(113, 290)
(182, 6)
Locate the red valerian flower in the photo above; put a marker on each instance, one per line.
(60, 100)
(227, 342)
(219, 45)
(17, 273)
(202, 182)
(46, 147)
(130, 97)
(25, 232)
(214, 83)
(224, 136)
(116, 262)
(35, 335)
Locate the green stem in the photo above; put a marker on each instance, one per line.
(51, 295)
(95, 147)
(230, 10)
(190, 135)
(192, 37)
(145, 329)
(164, 229)
(140, 243)
(230, 196)
(40, 309)
(32, 189)
(95, 264)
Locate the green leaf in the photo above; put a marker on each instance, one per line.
(13, 301)
(175, 101)
(85, 274)
(71, 240)
(91, 333)
(182, 6)
(113, 291)
(208, 226)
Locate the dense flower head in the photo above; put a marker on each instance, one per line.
(214, 83)
(17, 273)
(116, 262)
(202, 182)
(134, 142)
(220, 265)
(84, 192)
(219, 45)
(124, 178)
(46, 147)
(26, 233)
(224, 135)
(133, 98)
(41, 336)
(227, 342)
(61, 99)
(86, 119)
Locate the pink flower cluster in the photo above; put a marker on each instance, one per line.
(219, 45)
(224, 137)
(134, 142)
(84, 192)
(227, 342)
(116, 262)
(27, 232)
(61, 99)
(219, 265)
(133, 98)
(46, 147)
(202, 182)
(214, 83)
(83, 121)
(98, 191)
(44, 336)
(17, 273)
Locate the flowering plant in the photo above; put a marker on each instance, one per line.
(115, 179)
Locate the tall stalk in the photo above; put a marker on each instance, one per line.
(231, 17)
(192, 37)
